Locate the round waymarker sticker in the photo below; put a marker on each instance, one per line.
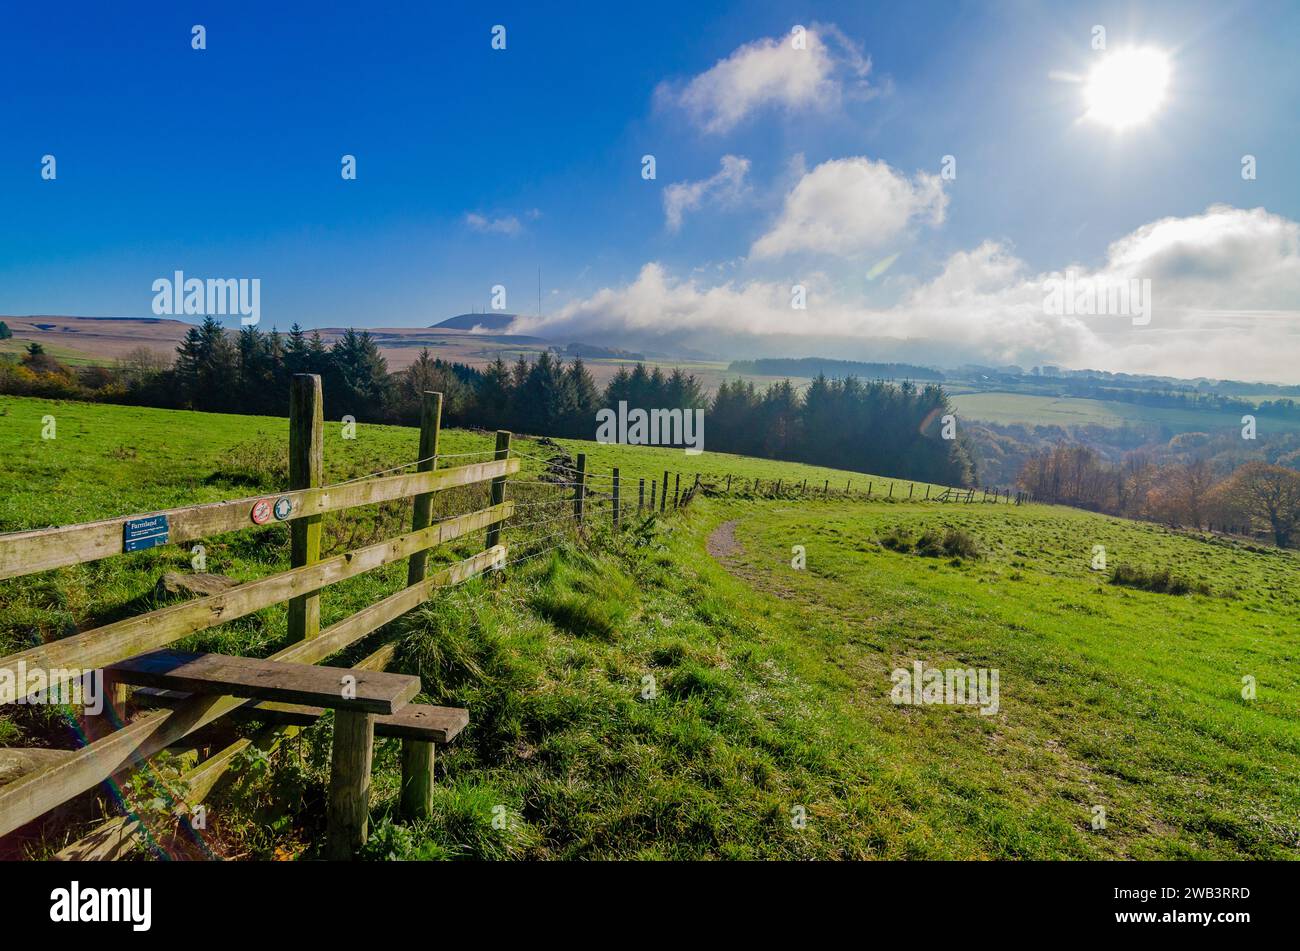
(283, 506)
(262, 511)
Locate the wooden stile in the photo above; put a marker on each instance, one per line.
(113, 642)
(38, 792)
(197, 689)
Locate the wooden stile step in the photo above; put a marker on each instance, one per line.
(274, 680)
(415, 721)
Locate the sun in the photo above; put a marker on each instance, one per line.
(1127, 87)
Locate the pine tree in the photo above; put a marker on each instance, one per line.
(207, 368)
(585, 398)
(296, 354)
(493, 397)
(358, 376)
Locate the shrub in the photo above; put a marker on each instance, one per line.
(1159, 580)
(262, 463)
(930, 544)
(898, 539)
(960, 544)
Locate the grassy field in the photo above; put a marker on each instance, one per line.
(117, 460)
(71, 357)
(637, 696)
(1025, 409)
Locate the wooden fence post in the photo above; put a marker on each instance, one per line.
(306, 467)
(663, 498)
(580, 488)
(498, 486)
(430, 424)
(778, 487)
(417, 779)
(677, 491)
(927, 493)
(640, 495)
(911, 486)
(869, 489)
(891, 490)
(618, 520)
(728, 482)
(348, 809)
(113, 715)
(826, 487)
(654, 486)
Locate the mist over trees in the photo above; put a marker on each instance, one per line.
(867, 426)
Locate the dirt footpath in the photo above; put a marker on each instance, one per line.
(722, 542)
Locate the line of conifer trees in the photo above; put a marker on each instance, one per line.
(866, 426)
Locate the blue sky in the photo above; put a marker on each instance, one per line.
(478, 166)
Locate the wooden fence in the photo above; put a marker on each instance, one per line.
(364, 701)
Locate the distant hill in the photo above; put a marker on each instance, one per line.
(811, 366)
(492, 321)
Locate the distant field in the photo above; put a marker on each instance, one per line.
(1013, 408)
(67, 355)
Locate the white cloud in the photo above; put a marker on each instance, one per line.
(849, 206)
(724, 187)
(507, 224)
(771, 72)
(1225, 289)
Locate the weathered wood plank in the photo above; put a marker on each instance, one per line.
(38, 792)
(276, 680)
(420, 721)
(416, 721)
(24, 553)
(105, 645)
(19, 761)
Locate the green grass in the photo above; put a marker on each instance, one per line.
(1130, 700)
(1030, 410)
(633, 698)
(118, 460)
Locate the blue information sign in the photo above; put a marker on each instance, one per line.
(138, 533)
